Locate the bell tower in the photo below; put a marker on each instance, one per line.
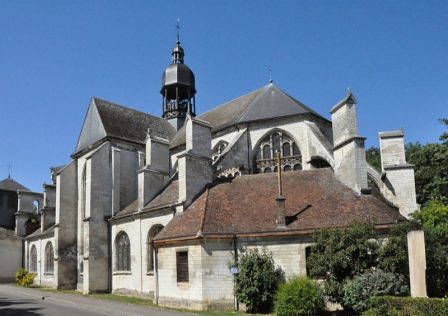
(178, 89)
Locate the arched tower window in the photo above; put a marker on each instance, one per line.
(123, 255)
(49, 258)
(265, 153)
(33, 259)
(150, 251)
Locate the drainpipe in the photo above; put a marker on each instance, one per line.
(156, 273)
(109, 254)
(235, 251)
(141, 257)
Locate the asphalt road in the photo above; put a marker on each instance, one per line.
(18, 301)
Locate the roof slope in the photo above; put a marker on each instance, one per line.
(107, 119)
(265, 103)
(314, 199)
(9, 184)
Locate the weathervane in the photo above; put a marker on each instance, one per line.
(9, 170)
(270, 74)
(178, 29)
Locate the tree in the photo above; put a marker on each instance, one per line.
(373, 157)
(434, 221)
(340, 254)
(431, 171)
(257, 281)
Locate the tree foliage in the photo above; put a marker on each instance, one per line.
(373, 157)
(358, 290)
(257, 281)
(434, 221)
(299, 297)
(339, 255)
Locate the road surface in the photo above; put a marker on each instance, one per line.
(18, 301)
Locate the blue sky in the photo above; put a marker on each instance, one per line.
(56, 55)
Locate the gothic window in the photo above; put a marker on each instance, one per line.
(286, 150)
(218, 150)
(123, 247)
(150, 251)
(182, 266)
(33, 259)
(265, 154)
(49, 258)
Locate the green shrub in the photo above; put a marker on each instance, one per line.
(257, 281)
(299, 297)
(406, 306)
(24, 278)
(357, 291)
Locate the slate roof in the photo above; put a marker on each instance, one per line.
(168, 196)
(314, 199)
(9, 184)
(265, 103)
(37, 232)
(125, 123)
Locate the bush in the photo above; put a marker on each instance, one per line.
(406, 306)
(357, 291)
(257, 281)
(299, 297)
(24, 278)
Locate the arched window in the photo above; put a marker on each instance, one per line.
(286, 150)
(33, 259)
(36, 207)
(123, 256)
(267, 152)
(151, 234)
(49, 258)
(265, 156)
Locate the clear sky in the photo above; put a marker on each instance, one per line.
(56, 55)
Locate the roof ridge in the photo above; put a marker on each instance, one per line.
(125, 107)
(301, 104)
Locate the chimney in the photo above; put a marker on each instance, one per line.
(349, 151)
(397, 172)
(195, 164)
(155, 173)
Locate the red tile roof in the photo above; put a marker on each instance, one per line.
(247, 205)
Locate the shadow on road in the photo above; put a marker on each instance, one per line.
(10, 307)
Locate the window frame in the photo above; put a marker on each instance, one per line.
(123, 252)
(182, 269)
(49, 258)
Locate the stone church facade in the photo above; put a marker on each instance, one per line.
(161, 206)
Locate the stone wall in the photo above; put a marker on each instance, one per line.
(11, 247)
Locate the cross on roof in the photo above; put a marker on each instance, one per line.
(178, 29)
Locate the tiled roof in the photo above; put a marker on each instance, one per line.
(9, 184)
(265, 103)
(314, 199)
(37, 232)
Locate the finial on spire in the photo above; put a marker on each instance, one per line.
(349, 90)
(178, 30)
(9, 170)
(270, 75)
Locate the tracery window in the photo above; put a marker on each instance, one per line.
(150, 250)
(265, 159)
(49, 258)
(218, 150)
(33, 259)
(123, 256)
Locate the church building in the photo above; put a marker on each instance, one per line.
(160, 207)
